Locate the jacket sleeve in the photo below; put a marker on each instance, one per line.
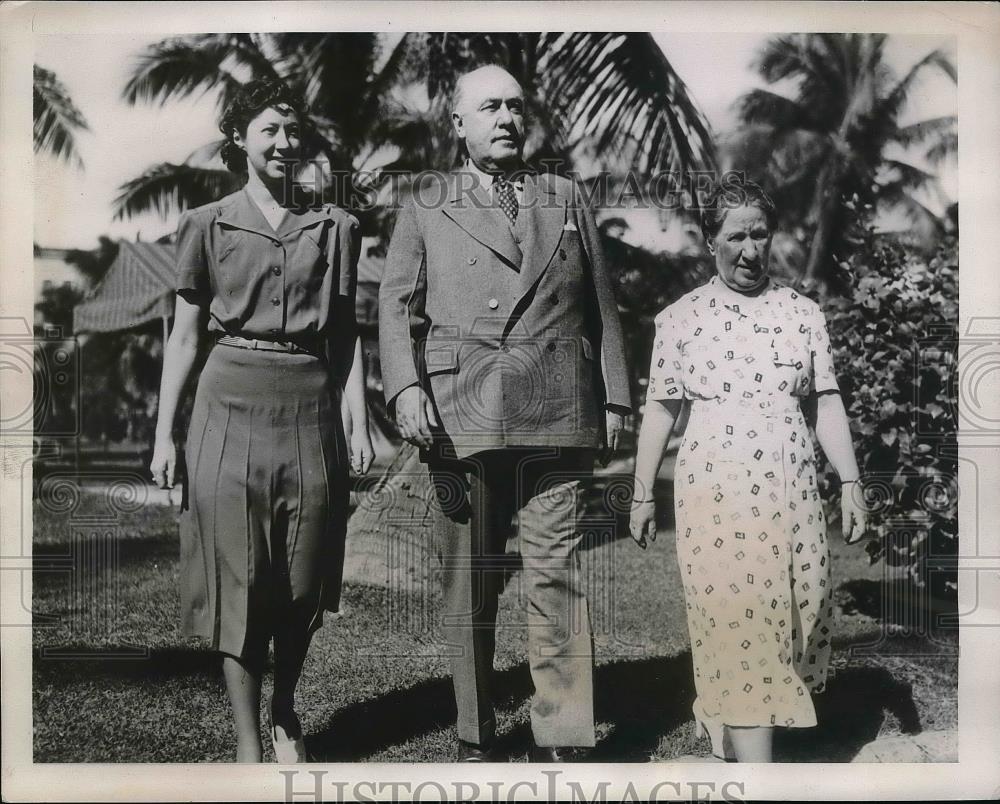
(614, 369)
(401, 298)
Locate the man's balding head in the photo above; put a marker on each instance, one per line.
(488, 115)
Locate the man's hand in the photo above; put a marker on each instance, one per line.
(613, 423)
(415, 416)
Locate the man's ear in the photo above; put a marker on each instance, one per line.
(458, 124)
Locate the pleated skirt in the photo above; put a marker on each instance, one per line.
(263, 525)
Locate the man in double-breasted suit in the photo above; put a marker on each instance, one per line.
(502, 357)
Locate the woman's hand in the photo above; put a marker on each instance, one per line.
(854, 514)
(642, 521)
(362, 452)
(164, 462)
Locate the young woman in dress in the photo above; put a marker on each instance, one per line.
(272, 282)
(748, 354)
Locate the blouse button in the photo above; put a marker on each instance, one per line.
(472, 260)
(277, 244)
(276, 271)
(275, 301)
(493, 304)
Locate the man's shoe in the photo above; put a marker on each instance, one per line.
(470, 752)
(540, 753)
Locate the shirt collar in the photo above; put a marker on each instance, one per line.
(486, 179)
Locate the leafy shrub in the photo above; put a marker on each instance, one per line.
(894, 326)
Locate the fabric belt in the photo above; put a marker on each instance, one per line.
(265, 346)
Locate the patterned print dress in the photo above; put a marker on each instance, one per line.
(751, 541)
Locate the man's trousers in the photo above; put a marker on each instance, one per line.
(475, 500)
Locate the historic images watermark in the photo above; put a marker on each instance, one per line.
(548, 785)
(385, 189)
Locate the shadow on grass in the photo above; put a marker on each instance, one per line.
(126, 662)
(900, 602)
(641, 700)
(157, 546)
(849, 714)
(367, 727)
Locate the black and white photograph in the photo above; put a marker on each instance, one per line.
(489, 414)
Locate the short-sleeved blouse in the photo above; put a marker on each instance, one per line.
(294, 283)
(711, 344)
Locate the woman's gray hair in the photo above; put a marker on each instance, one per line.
(735, 190)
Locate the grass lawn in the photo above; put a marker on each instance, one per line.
(115, 682)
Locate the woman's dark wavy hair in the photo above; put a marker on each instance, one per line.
(735, 190)
(252, 99)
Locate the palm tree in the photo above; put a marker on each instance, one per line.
(56, 117)
(832, 142)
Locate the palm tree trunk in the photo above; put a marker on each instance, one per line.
(824, 211)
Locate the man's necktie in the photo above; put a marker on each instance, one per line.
(506, 197)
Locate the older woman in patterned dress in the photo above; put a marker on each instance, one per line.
(748, 354)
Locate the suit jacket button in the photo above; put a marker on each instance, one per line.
(554, 298)
(562, 254)
(472, 260)
(493, 304)
(551, 346)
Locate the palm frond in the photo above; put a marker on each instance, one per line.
(167, 188)
(815, 60)
(769, 108)
(621, 90)
(179, 67)
(56, 118)
(919, 132)
(939, 134)
(894, 101)
(945, 147)
(909, 176)
(207, 156)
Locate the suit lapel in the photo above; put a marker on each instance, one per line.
(473, 210)
(546, 216)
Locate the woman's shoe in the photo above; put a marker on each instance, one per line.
(287, 751)
(716, 732)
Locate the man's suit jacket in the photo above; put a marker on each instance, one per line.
(515, 335)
